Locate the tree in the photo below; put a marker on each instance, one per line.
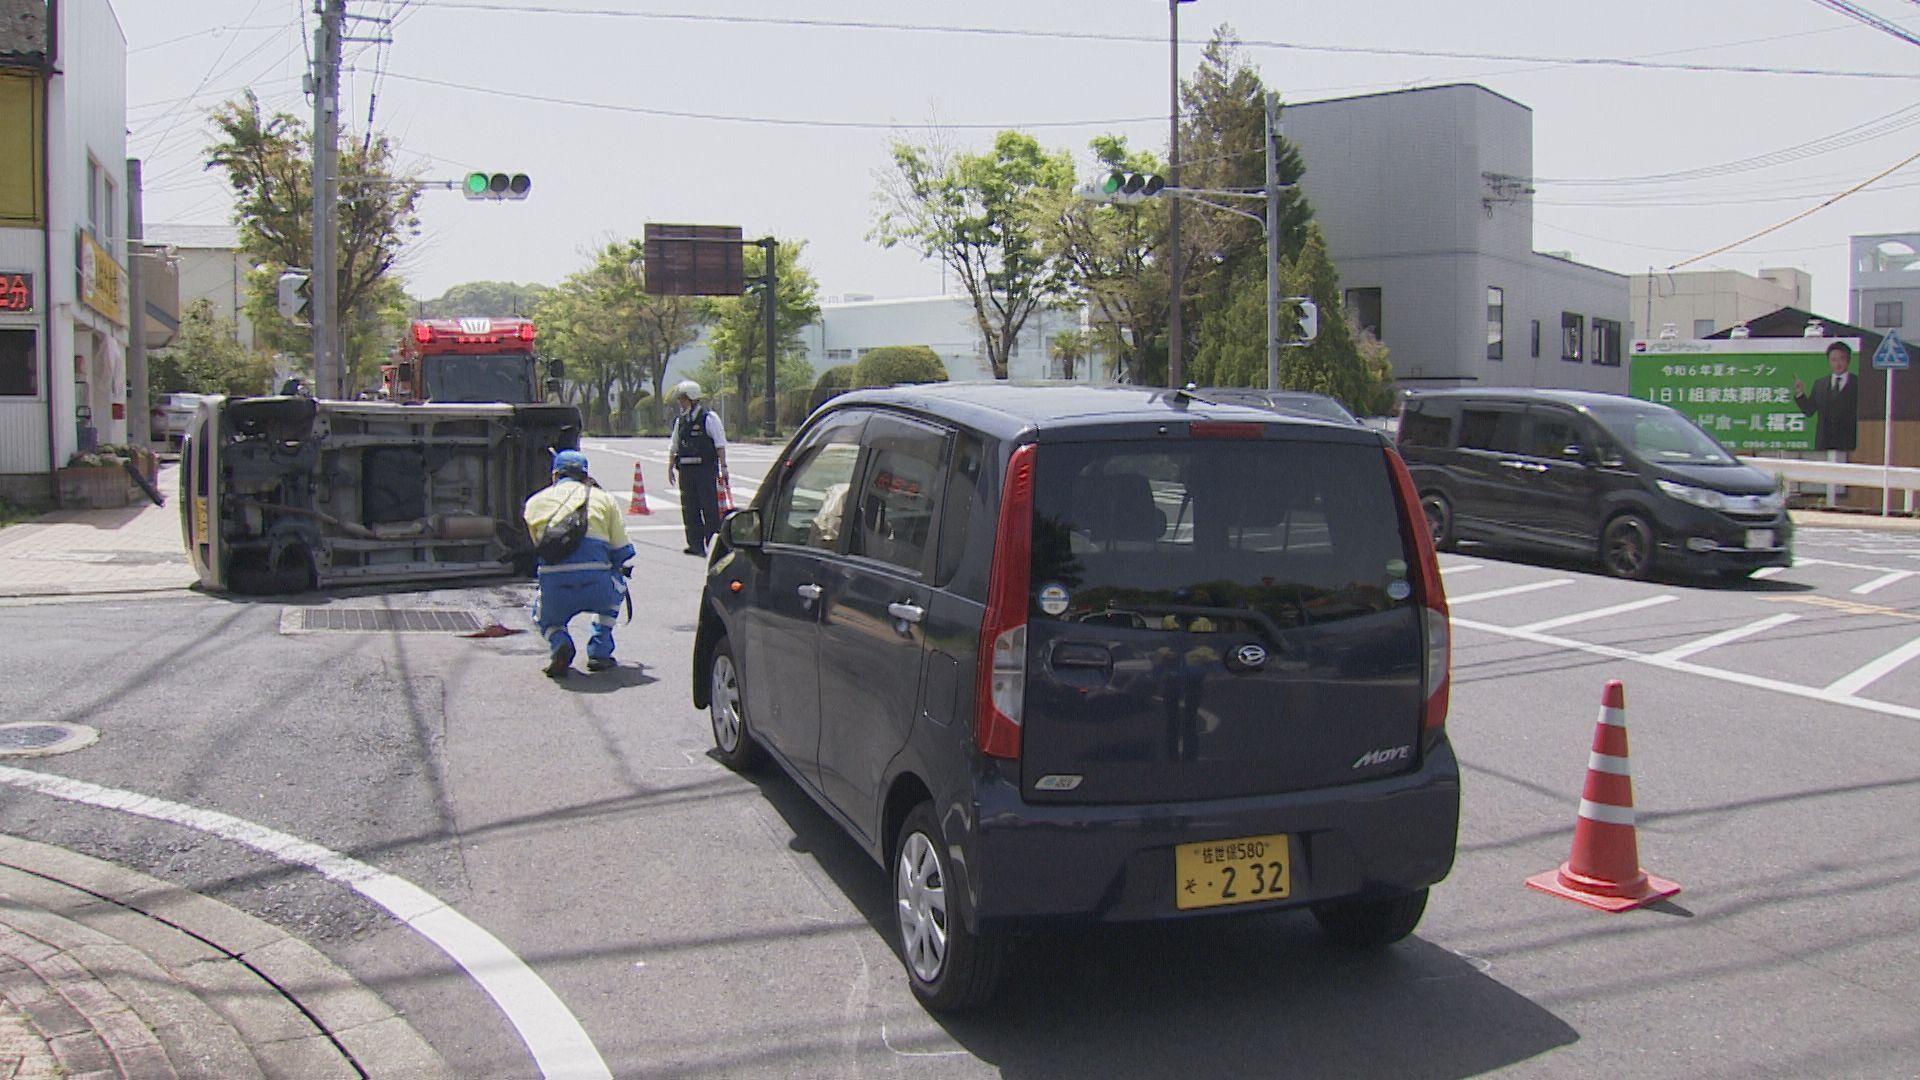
(892, 365)
(982, 215)
(206, 357)
(615, 338)
(1113, 261)
(268, 160)
(482, 298)
(738, 341)
(1333, 363)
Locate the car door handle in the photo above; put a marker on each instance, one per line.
(809, 593)
(907, 613)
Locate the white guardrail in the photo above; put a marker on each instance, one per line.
(1904, 479)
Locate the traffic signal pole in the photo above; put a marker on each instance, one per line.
(1273, 243)
(769, 286)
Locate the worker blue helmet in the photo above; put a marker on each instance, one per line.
(570, 463)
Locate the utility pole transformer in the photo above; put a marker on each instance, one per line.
(1273, 240)
(329, 372)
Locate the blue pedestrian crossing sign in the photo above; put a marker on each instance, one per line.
(1891, 355)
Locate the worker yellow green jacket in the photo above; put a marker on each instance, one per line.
(590, 579)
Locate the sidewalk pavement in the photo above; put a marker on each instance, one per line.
(106, 972)
(1827, 519)
(79, 552)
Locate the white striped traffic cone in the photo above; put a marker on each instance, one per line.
(639, 503)
(1603, 870)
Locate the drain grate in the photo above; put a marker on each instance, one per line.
(43, 739)
(400, 620)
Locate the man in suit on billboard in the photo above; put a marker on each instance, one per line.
(1835, 401)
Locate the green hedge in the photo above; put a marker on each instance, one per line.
(891, 365)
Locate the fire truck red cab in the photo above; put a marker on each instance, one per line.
(465, 360)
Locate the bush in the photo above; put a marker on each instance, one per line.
(833, 382)
(894, 364)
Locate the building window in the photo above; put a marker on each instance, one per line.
(1496, 323)
(1363, 309)
(1536, 339)
(19, 364)
(1606, 342)
(839, 354)
(1573, 332)
(93, 197)
(109, 215)
(1702, 328)
(1891, 314)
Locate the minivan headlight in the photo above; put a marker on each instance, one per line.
(1711, 500)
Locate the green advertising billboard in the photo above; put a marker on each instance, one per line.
(1739, 391)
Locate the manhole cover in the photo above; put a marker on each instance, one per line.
(400, 620)
(43, 739)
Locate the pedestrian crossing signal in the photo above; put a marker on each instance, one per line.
(481, 185)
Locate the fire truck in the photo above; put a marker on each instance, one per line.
(466, 360)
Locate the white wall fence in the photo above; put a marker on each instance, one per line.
(1902, 479)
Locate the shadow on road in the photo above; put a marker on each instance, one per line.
(1244, 995)
(1548, 560)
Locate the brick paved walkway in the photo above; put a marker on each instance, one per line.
(69, 552)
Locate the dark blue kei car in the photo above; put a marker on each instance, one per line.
(1057, 655)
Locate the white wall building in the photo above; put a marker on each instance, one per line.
(63, 216)
(1884, 292)
(1426, 199)
(1700, 303)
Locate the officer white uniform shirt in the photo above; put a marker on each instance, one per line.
(716, 430)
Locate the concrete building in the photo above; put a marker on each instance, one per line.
(217, 275)
(1426, 198)
(1701, 303)
(1884, 291)
(63, 250)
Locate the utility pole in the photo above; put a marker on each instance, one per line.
(328, 370)
(769, 286)
(139, 418)
(1176, 370)
(1273, 240)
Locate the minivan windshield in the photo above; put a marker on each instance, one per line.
(1661, 435)
(1230, 536)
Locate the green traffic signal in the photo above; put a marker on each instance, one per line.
(1113, 183)
(476, 184)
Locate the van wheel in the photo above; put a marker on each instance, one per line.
(727, 706)
(1626, 547)
(1439, 519)
(951, 969)
(1371, 923)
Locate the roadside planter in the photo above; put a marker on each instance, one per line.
(98, 480)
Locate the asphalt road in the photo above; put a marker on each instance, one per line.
(698, 923)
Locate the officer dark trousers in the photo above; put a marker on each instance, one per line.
(700, 502)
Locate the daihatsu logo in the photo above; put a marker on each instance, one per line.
(1250, 655)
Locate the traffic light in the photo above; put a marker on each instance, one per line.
(480, 185)
(294, 294)
(1309, 319)
(1123, 187)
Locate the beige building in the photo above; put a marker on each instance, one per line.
(1697, 303)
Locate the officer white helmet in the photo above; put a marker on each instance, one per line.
(688, 389)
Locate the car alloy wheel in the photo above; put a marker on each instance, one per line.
(725, 707)
(1439, 514)
(1627, 548)
(920, 894)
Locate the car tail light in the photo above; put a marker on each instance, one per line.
(1001, 695)
(1430, 594)
(1225, 429)
(526, 331)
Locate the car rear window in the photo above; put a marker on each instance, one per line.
(1231, 536)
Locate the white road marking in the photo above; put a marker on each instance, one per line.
(1461, 568)
(1882, 581)
(1766, 572)
(559, 1045)
(1724, 637)
(1511, 590)
(1843, 565)
(1601, 613)
(1757, 682)
(1858, 679)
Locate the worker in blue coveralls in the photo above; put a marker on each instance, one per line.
(591, 579)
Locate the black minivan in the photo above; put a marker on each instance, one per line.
(1073, 654)
(1632, 482)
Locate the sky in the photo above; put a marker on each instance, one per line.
(839, 94)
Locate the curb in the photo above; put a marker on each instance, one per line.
(313, 1013)
(1831, 520)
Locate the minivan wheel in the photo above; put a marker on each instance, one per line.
(951, 969)
(732, 739)
(1373, 922)
(1439, 519)
(1626, 547)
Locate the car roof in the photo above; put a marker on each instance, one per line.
(1007, 409)
(1585, 399)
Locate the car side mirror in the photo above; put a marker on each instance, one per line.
(741, 529)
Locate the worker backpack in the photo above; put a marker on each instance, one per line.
(560, 537)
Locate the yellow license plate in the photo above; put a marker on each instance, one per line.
(1241, 871)
(200, 521)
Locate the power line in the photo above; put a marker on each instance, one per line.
(1115, 37)
(1865, 131)
(1809, 212)
(1860, 14)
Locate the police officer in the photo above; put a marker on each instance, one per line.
(696, 459)
(591, 579)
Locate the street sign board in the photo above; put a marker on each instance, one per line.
(1740, 391)
(1892, 353)
(694, 260)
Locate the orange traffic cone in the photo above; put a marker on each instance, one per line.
(639, 503)
(1604, 868)
(725, 492)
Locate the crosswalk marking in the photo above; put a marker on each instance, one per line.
(1601, 613)
(1511, 590)
(1725, 637)
(1766, 572)
(1882, 581)
(1859, 678)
